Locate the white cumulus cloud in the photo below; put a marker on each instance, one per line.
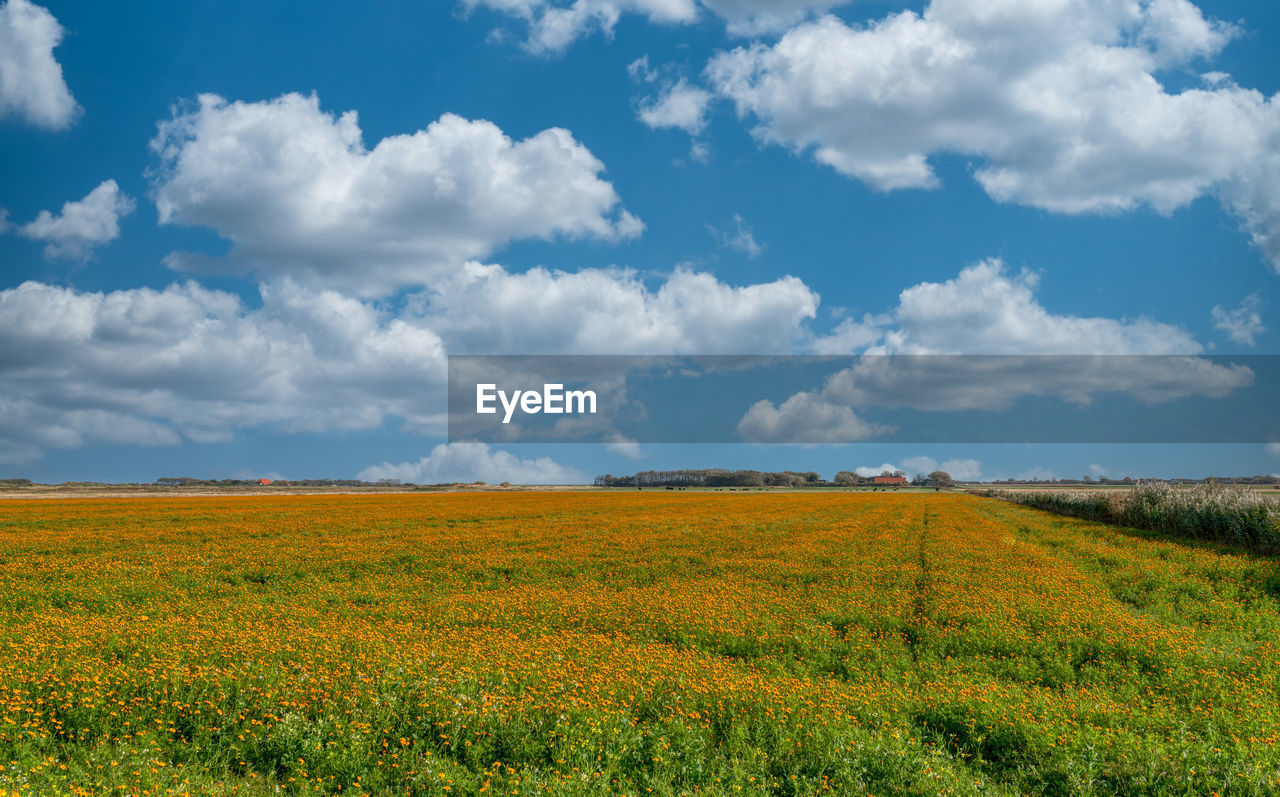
(154, 367)
(756, 17)
(738, 236)
(31, 82)
(804, 418)
(296, 192)
(484, 308)
(1241, 324)
(1058, 102)
(553, 25)
(188, 363)
(81, 225)
(470, 462)
(624, 446)
(986, 311)
(867, 471)
(679, 106)
(965, 470)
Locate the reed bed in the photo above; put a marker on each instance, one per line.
(1214, 512)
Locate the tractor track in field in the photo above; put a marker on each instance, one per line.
(919, 607)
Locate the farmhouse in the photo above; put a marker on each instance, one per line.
(890, 480)
(264, 482)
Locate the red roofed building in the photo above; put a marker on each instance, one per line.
(264, 482)
(890, 480)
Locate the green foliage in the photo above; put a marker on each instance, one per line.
(1212, 512)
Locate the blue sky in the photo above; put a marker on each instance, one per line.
(605, 176)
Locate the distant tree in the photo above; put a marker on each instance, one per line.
(940, 478)
(845, 478)
(787, 478)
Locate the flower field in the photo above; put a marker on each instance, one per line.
(639, 643)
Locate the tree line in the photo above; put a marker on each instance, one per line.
(721, 477)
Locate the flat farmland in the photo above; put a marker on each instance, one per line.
(639, 643)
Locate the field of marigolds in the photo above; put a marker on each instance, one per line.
(639, 643)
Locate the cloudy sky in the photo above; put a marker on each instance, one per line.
(240, 240)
